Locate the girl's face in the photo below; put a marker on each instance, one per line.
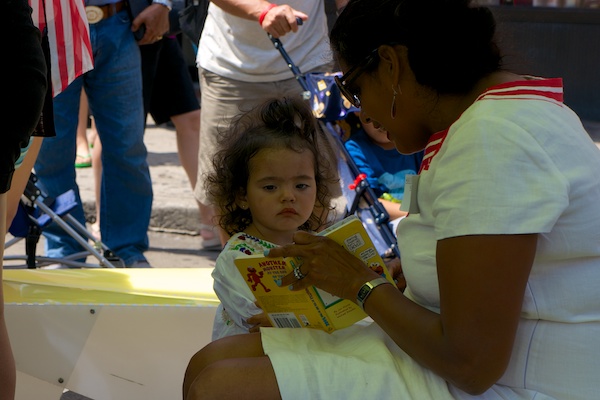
(281, 193)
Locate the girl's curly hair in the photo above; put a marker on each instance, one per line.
(277, 123)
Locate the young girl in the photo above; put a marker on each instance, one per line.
(270, 180)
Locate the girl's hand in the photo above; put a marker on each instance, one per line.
(259, 320)
(325, 264)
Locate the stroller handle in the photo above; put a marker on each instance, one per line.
(293, 67)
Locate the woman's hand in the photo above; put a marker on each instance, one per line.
(395, 267)
(325, 264)
(258, 321)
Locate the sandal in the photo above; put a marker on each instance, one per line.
(83, 161)
(210, 238)
(95, 228)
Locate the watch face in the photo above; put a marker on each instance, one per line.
(363, 292)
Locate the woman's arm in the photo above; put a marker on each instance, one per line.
(482, 280)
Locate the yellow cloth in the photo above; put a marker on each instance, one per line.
(171, 286)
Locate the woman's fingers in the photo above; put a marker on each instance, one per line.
(321, 262)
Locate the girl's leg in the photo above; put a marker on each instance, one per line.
(234, 367)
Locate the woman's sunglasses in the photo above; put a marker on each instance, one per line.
(353, 73)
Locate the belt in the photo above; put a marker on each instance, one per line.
(96, 14)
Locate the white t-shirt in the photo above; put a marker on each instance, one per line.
(240, 49)
(496, 171)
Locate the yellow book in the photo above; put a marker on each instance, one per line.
(312, 307)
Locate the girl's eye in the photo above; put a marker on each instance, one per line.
(269, 187)
(302, 186)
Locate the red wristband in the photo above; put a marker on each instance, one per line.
(264, 13)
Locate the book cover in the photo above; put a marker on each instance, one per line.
(312, 307)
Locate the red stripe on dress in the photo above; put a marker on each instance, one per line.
(527, 88)
(433, 146)
(550, 88)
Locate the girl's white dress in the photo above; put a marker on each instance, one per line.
(237, 301)
(517, 161)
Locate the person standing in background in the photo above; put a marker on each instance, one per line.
(240, 68)
(114, 90)
(169, 95)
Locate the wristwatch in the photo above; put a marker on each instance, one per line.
(166, 3)
(366, 290)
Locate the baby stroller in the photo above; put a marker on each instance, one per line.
(329, 108)
(36, 211)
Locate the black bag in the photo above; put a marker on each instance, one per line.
(192, 17)
(174, 26)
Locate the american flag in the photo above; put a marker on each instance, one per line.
(68, 36)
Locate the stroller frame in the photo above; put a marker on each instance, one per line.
(39, 211)
(365, 200)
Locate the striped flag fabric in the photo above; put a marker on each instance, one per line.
(68, 37)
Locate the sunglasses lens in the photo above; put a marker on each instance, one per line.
(352, 98)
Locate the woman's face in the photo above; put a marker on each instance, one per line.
(379, 136)
(404, 125)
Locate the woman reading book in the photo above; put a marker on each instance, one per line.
(500, 248)
(269, 180)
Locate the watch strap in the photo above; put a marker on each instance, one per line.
(366, 289)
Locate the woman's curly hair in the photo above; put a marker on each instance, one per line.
(278, 123)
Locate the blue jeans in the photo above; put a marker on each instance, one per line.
(114, 90)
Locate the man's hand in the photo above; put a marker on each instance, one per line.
(282, 19)
(156, 19)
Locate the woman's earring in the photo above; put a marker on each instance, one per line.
(393, 111)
